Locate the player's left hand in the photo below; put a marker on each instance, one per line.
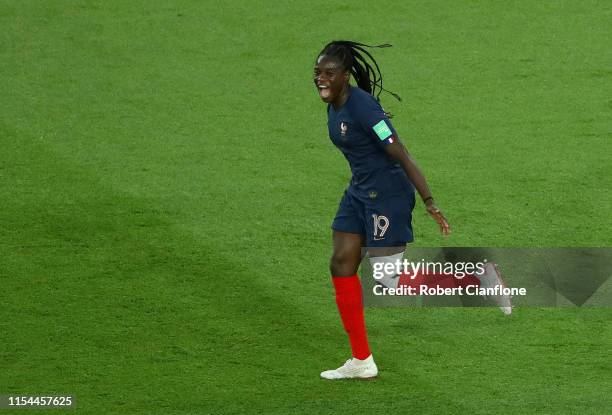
(437, 215)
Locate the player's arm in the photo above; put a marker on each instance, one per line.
(398, 152)
(376, 122)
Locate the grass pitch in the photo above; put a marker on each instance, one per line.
(168, 186)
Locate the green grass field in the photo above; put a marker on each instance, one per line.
(168, 184)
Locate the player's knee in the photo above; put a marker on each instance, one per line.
(342, 263)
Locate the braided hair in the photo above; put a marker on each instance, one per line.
(360, 63)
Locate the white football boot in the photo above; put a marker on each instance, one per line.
(490, 278)
(353, 369)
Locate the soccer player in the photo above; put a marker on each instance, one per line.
(376, 209)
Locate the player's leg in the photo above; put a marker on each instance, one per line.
(383, 239)
(346, 254)
(344, 264)
(386, 241)
(490, 277)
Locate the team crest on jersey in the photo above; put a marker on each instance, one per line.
(343, 128)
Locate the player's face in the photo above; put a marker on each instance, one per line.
(330, 78)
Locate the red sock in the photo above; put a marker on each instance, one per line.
(350, 306)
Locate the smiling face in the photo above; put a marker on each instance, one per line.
(331, 80)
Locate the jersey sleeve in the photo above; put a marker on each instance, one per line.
(376, 124)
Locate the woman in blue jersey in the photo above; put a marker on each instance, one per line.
(376, 209)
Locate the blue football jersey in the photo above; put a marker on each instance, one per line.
(361, 130)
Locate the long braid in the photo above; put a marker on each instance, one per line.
(361, 64)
